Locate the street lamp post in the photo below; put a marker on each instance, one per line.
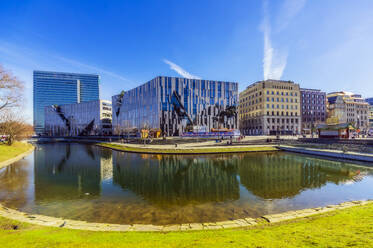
(358, 125)
(312, 125)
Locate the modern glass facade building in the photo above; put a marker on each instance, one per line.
(171, 104)
(57, 88)
(85, 118)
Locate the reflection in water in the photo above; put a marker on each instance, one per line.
(177, 180)
(274, 176)
(63, 172)
(14, 183)
(99, 185)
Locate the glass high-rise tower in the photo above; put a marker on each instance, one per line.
(56, 88)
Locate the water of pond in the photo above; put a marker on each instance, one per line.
(90, 183)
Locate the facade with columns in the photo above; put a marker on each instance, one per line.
(270, 107)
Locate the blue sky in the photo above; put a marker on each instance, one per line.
(326, 44)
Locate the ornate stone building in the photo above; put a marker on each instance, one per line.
(346, 107)
(370, 101)
(270, 107)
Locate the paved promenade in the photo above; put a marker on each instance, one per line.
(246, 222)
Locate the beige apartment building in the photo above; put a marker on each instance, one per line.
(346, 107)
(270, 107)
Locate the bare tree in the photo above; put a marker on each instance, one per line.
(14, 127)
(11, 90)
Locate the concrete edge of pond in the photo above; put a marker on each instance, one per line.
(246, 222)
(16, 158)
(89, 226)
(365, 157)
(189, 150)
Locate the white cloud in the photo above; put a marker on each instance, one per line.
(275, 60)
(93, 68)
(268, 51)
(288, 10)
(180, 70)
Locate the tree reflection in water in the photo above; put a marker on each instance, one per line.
(14, 182)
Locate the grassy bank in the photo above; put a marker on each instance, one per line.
(348, 227)
(204, 150)
(8, 152)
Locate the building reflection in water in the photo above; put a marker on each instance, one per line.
(100, 185)
(278, 176)
(66, 171)
(73, 171)
(14, 184)
(183, 180)
(177, 180)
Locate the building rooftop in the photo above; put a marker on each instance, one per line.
(69, 73)
(270, 81)
(305, 89)
(206, 80)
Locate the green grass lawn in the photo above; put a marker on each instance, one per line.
(8, 152)
(189, 150)
(351, 227)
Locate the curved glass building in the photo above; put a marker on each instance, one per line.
(171, 104)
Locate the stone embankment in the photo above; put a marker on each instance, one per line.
(16, 158)
(365, 157)
(246, 222)
(186, 149)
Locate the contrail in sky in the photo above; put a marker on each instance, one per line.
(274, 60)
(180, 70)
